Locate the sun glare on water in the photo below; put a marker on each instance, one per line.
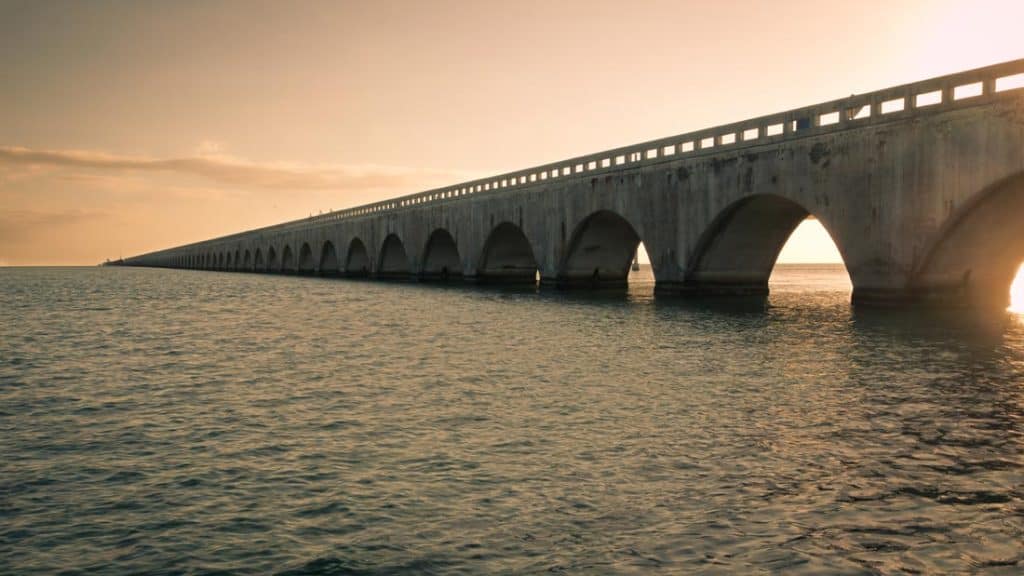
(1017, 292)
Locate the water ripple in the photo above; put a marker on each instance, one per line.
(199, 423)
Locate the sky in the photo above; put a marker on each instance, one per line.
(127, 127)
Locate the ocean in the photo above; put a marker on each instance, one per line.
(187, 422)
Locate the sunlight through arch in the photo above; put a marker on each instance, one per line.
(640, 271)
(810, 256)
(1017, 292)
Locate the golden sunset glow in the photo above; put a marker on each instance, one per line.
(810, 243)
(200, 120)
(352, 286)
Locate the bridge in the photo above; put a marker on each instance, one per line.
(920, 186)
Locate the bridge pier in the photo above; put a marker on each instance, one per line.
(357, 273)
(711, 289)
(507, 279)
(595, 282)
(441, 276)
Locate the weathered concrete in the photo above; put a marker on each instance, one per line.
(921, 202)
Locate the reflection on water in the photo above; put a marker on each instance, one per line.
(174, 421)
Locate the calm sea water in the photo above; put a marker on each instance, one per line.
(156, 421)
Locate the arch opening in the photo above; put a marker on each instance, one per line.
(357, 262)
(393, 261)
(305, 259)
(977, 258)
(640, 270)
(247, 261)
(287, 259)
(236, 261)
(257, 261)
(810, 260)
(272, 263)
(600, 253)
(507, 257)
(738, 254)
(1017, 291)
(328, 260)
(220, 261)
(441, 261)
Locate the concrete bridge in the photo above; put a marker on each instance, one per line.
(921, 187)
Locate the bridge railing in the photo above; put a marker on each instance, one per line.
(963, 89)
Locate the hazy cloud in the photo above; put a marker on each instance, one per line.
(61, 206)
(23, 225)
(210, 164)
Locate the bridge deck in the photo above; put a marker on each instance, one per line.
(926, 97)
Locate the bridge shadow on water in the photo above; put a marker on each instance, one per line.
(977, 329)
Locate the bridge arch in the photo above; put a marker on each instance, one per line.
(974, 256)
(600, 252)
(441, 259)
(221, 260)
(357, 260)
(306, 265)
(272, 260)
(236, 262)
(247, 261)
(287, 259)
(737, 252)
(507, 257)
(257, 261)
(328, 260)
(393, 261)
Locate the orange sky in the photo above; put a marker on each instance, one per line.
(128, 126)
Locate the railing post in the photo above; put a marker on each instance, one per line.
(988, 86)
